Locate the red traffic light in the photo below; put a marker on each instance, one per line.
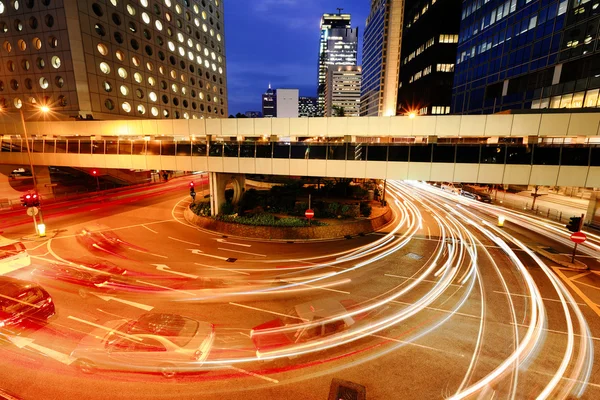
(191, 184)
(94, 172)
(34, 196)
(28, 196)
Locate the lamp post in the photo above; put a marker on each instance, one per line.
(41, 228)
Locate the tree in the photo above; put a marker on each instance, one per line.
(240, 115)
(339, 111)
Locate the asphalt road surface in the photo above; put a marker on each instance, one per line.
(441, 303)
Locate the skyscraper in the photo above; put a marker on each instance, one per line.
(381, 58)
(307, 106)
(508, 55)
(337, 47)
(287, 103)
(268, 103)
(342, 91)
(429, 44)
(113, 59)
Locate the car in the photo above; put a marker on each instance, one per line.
(455, 188)
(13, 255)
(483, 197)
(85, 279)
(99, 239)
(322, 309)
(155, 342)
(23, 302)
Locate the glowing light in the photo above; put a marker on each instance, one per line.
(412, 115)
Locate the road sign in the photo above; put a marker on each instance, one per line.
(31, 211)
(578, 237)
(309, 214)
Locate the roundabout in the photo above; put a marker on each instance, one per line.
(439, 302)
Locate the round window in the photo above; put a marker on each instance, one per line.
(122, 73)
(107, 86)
(109, 104)
(102, 49)
(104, 68)
(44, 83)
(126, 107)
(124, 90)
(59, 81)
(55, 62)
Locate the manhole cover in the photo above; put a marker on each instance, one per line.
(231, 260)
(414, 256)
(344, 390)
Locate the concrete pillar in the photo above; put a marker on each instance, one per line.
(44, 182)
(218, 183)
(7, 192)
(590, 215)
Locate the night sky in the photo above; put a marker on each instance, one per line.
(277, 41)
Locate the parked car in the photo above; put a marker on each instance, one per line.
(23, 302)
(483, 197)
(311, 311)
(455, 188)
(84, 279)
(155, 342)
(13, 255)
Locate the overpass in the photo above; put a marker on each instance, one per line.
(529, 149)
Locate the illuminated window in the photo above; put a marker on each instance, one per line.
(120, 55)
(22, 45)
(138, 77)
(145, 4)
(141, 109)
(154, 111)
(122, 73)
(146, 18)
(104, 68)
(151, 81)
(158, 25)
(55, 61)
(44, 83)
(130, 9)
(126, 107)
(107, 87)
(124, 90)
(153, 97)
(18, 103)
(102, 49)
(135, 60)
(445, 68)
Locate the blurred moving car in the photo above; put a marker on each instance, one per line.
(86, 278)
(455, 188)
(13, 255)
(100, 239)
(322, 309)
(23, 302)
(155, 342)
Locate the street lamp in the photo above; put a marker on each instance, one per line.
(41, 228)
(412, 115)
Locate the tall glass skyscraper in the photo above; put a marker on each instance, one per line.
(337, 47)
(381, 58)
(508, 54)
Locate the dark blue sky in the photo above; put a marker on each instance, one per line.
(277, 41)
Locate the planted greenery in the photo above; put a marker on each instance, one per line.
(267, 220)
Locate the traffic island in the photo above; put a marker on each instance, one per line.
(335, 229)
(560, 259)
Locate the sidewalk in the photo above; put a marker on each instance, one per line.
(550, 206)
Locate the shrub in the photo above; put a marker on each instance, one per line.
(267, 220)
(202, 209)
(365, 209)
(333, 208)
(226, 208)
(345, 210)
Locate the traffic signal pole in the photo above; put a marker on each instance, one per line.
(575, 247)
(35, 186)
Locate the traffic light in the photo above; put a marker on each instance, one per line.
(24, 200)
(30, 200)
(94, 172)
(574, 224)
(35, 200)
(192, 191)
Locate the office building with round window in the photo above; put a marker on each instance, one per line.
(113, 59)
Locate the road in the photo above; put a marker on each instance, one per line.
(440, 303)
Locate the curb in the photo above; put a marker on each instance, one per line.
(578, 265)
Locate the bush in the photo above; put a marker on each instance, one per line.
(345, 210)
(226, 209)
(250, 200)
(333, 208)
(365, 209)
(267, 220)
(202, 209)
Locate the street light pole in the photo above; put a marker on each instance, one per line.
(35, 186)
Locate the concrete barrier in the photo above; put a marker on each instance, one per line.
(353, 228)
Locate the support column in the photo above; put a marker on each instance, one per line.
(218, 182)
(43, 181)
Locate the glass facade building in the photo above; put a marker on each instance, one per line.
(338, 46)
(307, 106)
(508, 52)
(428, 54)
(269, 109)
(381, 53)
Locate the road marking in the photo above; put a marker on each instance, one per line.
(595, 385)
(581, 275)
(128, 302)
(145, 252)
(151, 230)
(416, 344)
(165, 268)
(269, 312)
(423, 280)
(318, 287)
(165, 287)
(201, 253)
(233, 244)
(242, 252)
(554, 331)
(440, 310)
(586, 299)
(21, 342)
(543, 298)
(38, 246)
(224, 269)
(183, 241)
(266, 378)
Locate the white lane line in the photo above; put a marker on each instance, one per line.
(165, 268)
(440, 310)
(423, 280)
(317, 287)
(543, 298)
(151, 230)
(595, 385)
(244, 334)
(223, 269)
(268, 311)
(165, 287)
(146, 252)
(201, 253)
(555, 331)
(243, 371)
(38, 246)
(233, 244)
(183, 241)
(417, 345)
(242, 252)
(21, 342)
